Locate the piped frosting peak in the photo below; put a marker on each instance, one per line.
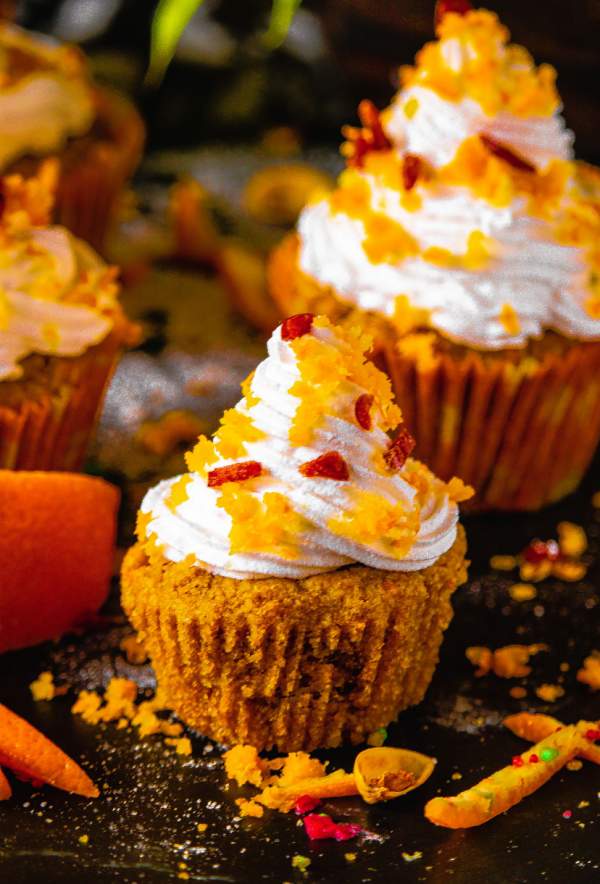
(303, 476)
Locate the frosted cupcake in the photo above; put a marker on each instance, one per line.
(465, 237)
(49, 106)
(293, 588)
(61, 331)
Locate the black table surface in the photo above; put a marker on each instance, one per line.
(145, 824)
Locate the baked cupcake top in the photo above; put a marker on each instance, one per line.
(302, 477)
(57, 297)
(461, 208)
(45, 94)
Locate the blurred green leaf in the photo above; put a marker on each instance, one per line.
(168, 24)
(282, 14)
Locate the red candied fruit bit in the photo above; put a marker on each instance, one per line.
(533, 759)
(443, 7)
(330, 465)
(540, 550)
(369, 137)
(235, 472)
(296, 326)
(592, 734)
(398, 451)
(305, 804)
(362, 411)
(517, 761)
(411, 169)
(567, 814)
(507, 155)
(319, 825)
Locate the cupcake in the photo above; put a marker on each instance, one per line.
(61, 331)
(293, 588)
(49, 106)
(464, 236)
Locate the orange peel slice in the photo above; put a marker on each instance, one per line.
(384, 772)
(5, 790)
(32, 756)
(57, 536)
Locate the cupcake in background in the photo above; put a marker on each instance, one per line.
(61, 331)
(49, 106)
(464, 236)
(293, 588)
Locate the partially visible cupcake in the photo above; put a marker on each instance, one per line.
(49, 106)
(293, 588)
(61, 331)
(465, 237)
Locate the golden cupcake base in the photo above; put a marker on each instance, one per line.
(289, 664)
(519, 425)
(47, 416)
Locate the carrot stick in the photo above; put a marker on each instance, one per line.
(28, 753)
(506, 787)
(5, 790)
(534, 727)
(338, 784)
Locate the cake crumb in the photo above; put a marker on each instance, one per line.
(43, 688)
(503, 563)
(202, 827)
(522, 592)
(182, 745)
(249, 807)
(350, 857)
(575, 764)
(456, 775)
(590, 671)
(84, 839)
(244, 765)
(518, 692)
(550, 693)
(135, 652)
(583, 804)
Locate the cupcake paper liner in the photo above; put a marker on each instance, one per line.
(95, 168)
(290, 664)
(521, 428)
(47, 418)
(521, 433)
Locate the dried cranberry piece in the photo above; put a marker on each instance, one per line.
(367, 138)
(507, 154)
(399, 450)
(443, 7)
(411, 169)
(362, 411)
(319, 825)
(235, 472)
(330, 465)
(305, 804)
(296, 326)
(541, 550)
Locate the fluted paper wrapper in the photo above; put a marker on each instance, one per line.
(522, 433)
(522, 429)
(95, 169)
(47, 418)
(291, 664)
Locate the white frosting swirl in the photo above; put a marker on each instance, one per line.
(545, 283)
(37, 276)
(200, 528)
(45, 107)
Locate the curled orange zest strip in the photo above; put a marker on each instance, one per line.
(535, 726)
(30, 754)
(5, 790)
(506, 787)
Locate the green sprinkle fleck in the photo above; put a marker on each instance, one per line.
(300, 862)
(548, 754)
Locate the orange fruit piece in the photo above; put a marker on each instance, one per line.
(32, 756)
(57, 540)
(5, 790)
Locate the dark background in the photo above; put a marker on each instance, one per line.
(224, 86)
